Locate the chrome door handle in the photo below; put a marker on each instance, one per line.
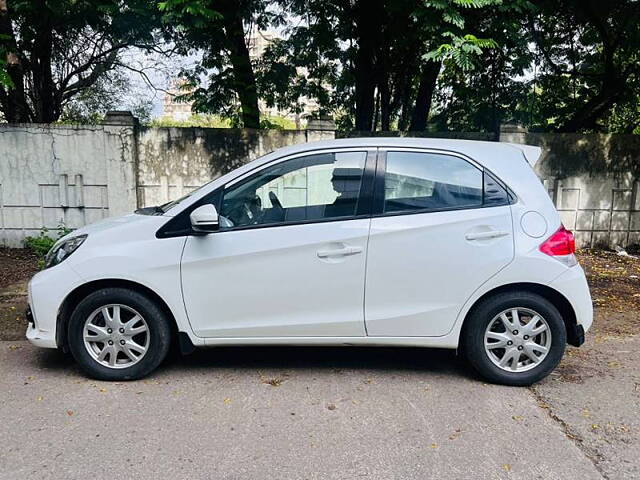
(339, 252)
(486, 235)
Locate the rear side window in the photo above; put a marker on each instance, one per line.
(494, 193)
(430, 181)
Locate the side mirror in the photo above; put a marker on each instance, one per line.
(204, 219)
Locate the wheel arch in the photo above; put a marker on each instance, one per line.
(72, 300)
(555, 297)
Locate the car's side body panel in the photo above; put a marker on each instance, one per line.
(274, 282)
(422, 268)
(130, 252)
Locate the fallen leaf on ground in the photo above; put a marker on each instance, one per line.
(274, 382)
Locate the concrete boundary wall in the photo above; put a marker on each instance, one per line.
(75, 175)
(71, 175)
(593, 180)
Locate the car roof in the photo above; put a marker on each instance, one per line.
(475, 149)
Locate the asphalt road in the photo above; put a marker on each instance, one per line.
(286, 413)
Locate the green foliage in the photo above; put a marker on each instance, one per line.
(218, 30)
(277, 122)
(197, 120)
(450, 39)
(215, 121)
(462, 50)
(569, 65)
(42, 243)
(62, 48)
(5, 79)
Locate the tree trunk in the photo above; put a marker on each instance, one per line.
(587, 116)
(13, 100)
(424, 97)
(384, 81)
(366, 29)
(244, 78)
(401, 102)
(45, 105)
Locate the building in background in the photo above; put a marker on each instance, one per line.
(173, 109)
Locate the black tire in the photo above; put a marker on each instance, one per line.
(472, 337)
(158, 326)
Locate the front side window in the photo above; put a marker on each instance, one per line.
(430, 181)
(309, 188)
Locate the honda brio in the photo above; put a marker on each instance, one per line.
(372, 241)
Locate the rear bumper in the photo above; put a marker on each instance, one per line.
(573, 285)
(575, 337)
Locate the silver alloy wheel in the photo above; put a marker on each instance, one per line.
(517, 339)
(116, 336)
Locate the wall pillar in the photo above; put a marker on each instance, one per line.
(321, 128)
(121, 152)
(512, 133)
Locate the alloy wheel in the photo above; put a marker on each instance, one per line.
(116, 336)
(517, 339)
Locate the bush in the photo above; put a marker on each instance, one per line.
(41, 244)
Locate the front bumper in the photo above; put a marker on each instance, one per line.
(47, 290)
(41, 338)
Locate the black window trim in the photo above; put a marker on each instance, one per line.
(381, 169)
(364, 205)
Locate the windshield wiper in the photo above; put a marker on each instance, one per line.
(154, 210)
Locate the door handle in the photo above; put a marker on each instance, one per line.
(339, 252)
(486, 235)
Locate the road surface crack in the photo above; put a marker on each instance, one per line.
(590, 453)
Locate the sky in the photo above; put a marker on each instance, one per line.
(159, 71)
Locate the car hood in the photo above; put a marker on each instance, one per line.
(123, 222)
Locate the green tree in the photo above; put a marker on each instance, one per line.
(491, 87)
(589, 62)
(54, 50)
(219, 29)
(375, 62)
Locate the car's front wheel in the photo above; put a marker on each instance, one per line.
(514, 338)
(118, 334)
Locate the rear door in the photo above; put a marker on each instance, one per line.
(441, 227)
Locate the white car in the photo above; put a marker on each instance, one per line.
(370, 241)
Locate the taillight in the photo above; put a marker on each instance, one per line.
(560, 243)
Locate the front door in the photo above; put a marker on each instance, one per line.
(441, 228)
(289, 258)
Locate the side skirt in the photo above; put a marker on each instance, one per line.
(447, 341)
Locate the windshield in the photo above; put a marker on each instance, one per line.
(169, 205)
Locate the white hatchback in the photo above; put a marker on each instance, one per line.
(369, 241)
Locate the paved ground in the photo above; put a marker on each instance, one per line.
(277, 413)
(330, 413)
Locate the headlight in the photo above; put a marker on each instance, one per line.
(62, 250)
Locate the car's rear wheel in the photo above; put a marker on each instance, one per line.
(118, 334)
(514, 338)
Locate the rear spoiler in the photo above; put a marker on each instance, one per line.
(531, 154)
